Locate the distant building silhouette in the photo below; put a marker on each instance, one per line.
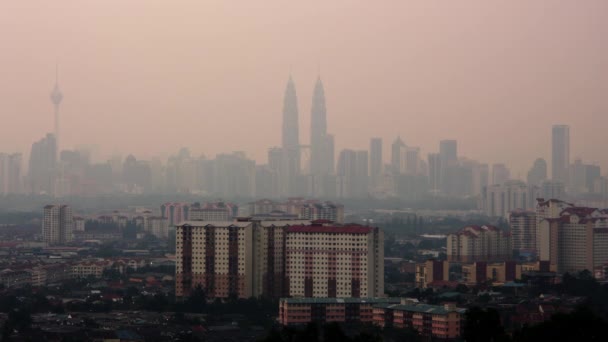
(560, 157)
(42, 165)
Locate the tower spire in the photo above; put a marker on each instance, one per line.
(56, 98)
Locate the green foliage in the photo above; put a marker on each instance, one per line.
(580, 325)
(483, 325)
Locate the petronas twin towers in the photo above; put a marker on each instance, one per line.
(321, 144)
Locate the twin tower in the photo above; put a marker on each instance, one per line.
(321, 143)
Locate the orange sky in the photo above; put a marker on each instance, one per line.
(148, 77)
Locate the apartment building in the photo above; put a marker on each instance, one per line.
(479, 243)
(57, 224)
(301, 311)
(479, 273)
(326, 260)
(574, 240)
(432, 271)
(274, 259)
(435, 321)
(523, 230)
(215, 255)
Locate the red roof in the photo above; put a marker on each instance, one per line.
(351, 229)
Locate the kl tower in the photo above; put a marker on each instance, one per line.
(56, 97)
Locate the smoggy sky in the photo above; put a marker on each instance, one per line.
(148, 77)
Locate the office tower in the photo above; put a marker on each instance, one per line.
(560, 156)
(136, 175)
(277, 162)
(574, 240)
(412, 160)
(398, 149)
(56, 98)
(10, 173)
(235, 175)
(434, 172)
(481, 178)
(475, 243)
(346, 173)
(334, 261)
(42, 165)
(330, 155)
(361, 184)
(215, 255)
(523, 230)
(500, 174)
(538, 172)
(448, 151)
(291, 135)
(319, 158)
(552, 189)
(57, 224)
(375, 161)
(592, 174)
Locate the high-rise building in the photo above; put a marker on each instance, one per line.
(432, 271)
(175, 212)
(42, 166)
(57, 224)
(500, 199)
(335, 261)
(375, 161)
(560, 157)
(574, 240)
(215, 255)
(291, 135)
(450, 173)
(475, 243)
(412, 160)
(346, 173)
(279, 258)
(552, 189)
(448, 151)
(434, 172)
(500, 174)
(319, 158)
(398, 149)
(523, 230)
(481, 178)
(56, 98)
(10, 173)
(538, 172)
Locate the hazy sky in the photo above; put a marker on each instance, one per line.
(148, 77)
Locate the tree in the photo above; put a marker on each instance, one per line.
(483, 325)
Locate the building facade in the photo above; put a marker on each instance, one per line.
(479, 243)
(57, 224)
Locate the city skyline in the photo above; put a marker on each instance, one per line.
(415, 91)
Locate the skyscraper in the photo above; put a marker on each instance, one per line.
(291, 135)
(56, 98)
(538, 173)
(291, 131)
(434, 172)
(10, 173)
(375, 160)
(320, 163)
(448, 152)
(560, 157)
(57, 224)
(42, 164)
(398, 156)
